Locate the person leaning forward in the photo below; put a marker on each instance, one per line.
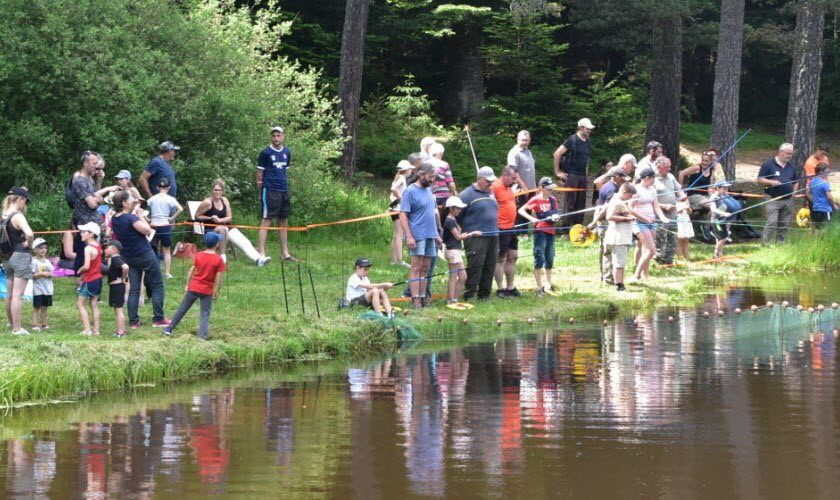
(480, 214)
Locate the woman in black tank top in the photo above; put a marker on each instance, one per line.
(18, 267)
(216, 210)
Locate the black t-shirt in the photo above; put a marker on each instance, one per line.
(786, 175)
(449, 241)
(115, 269)
(576, 159)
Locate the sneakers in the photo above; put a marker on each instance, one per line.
(36, 328)
(169, 276)
(513, 292)
(167, 331)
(620, 287)
(162, 323)
(502, 293)
(119, 335)
(260, 261)
(22, 331)
(86, 333)
(540, 292)
(135, 326)
(45, 327)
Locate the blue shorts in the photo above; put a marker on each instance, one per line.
(163, 235)
(647, 226)
(425, 248)
(91, 289)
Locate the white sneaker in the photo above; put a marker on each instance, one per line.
(36, 328)
(22, 331)
(260, 262)
(169, 276)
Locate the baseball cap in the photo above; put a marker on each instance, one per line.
(38, 242)
(277, 129)
(116, 244)
(167, 146)
(648, 172)
(363, 262)
(19, 191)
(585, 122)
(123, 174)
(91, 227)
(454, 201)
(163, 182)
(618, 171)
(404, 165)
(487, 173)
(212, 239)
(547, 182)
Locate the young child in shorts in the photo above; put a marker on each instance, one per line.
(204, 284)
(117, 282)
(685, 230)
(163, 210)
(619, 235)
(452, 238)
(90, 275)
(42, 285)
(360, 291)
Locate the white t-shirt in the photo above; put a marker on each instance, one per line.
(353, 288)
(161, 207)
(42, 286)
(400, 186)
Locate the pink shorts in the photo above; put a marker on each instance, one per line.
(454, 256)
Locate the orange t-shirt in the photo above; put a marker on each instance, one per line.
(811, 163)
(507, 204)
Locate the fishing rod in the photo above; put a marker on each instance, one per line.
(472, 149)
(732, 214)
(421, 278)
(712, 165)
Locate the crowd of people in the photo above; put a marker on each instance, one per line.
(121, 234)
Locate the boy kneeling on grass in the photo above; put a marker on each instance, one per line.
(361, 292)
(204, 284)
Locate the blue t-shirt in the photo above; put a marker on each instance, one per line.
(420, 206)
(771, 170)
(481, 213)
(274, 163)
(158, 168)
(606, 192)
(133, 242)
(819, 195)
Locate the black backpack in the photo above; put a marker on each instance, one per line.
(69, 197)
(6, 247)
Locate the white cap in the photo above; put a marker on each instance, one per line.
(403, 165)
(38, 242)
(454, 201)
(487, 173)
(585, 122)
(92, 227)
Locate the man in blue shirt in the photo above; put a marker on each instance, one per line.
(779, 178)
(160, 166)
(822, 205)
(420, 220)
(273, 185)
(481, 214)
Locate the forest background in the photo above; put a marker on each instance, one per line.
(120, 76)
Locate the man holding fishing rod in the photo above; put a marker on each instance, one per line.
(778, 176)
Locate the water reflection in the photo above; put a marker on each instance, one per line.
(672, 404)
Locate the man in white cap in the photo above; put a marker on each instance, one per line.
(160, 166)
(480, 214)
(571, 163)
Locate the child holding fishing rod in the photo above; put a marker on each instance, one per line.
(452, 238)
(545, 209)
(721, 208)
(360, 291)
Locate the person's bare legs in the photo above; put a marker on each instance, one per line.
(386, 304)
(397, 243)
(15, 302)
(118, 312)
(548, 278)
(263, 235)
(372, 296)
(284, 238)
(94, 309)
(618, 274)
(499, 272)
(416, 278)
(223, 231)
(83, 314)
(167, 260)
(10, 285)
(648, 250)
(455, 280)
(538, 278)
(510, 267)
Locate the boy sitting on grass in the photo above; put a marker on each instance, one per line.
(361, 292)
(204, 284)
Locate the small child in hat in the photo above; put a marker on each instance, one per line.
(204, 284)
(42, 285)
(361, 292)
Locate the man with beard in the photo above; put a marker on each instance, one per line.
(573, 155)
(420, 221)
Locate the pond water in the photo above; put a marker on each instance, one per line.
(735, 406)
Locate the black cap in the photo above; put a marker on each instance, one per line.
(19, 191)
(163, 182)
(646, 173)
(363, 262)
(116, 244)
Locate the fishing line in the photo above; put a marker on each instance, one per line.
(712, 165)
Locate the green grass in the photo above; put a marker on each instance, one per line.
(697, 135)
(803, 250)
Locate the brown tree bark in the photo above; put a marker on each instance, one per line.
(666, 82)
(801, 125)
(350, 77)
(464, 97)
(725, 102)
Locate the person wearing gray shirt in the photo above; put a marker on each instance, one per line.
(520, 158)
(670, 191)
(480, 214)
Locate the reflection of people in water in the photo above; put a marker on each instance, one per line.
(208, 439)
(279, 423)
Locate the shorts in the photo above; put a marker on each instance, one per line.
(18, 266)
(619, 255)
(646, 226)
(91, 289)
(116, 295)
(720, 230)
(425, 248)
(395, 216)
(360, 301)
(42, 301)
(276, 204)
(454, 256)
(820, 219)
(507, 241)
(163, 235)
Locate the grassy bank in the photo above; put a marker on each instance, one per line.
(250, 326)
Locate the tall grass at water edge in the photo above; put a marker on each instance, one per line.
(803, 250)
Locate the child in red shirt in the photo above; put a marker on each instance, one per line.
(205, 283)
(544, 207)
(90, 275)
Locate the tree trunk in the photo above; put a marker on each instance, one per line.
(728, 81)
(801, 126)
(666, 82)
(350, 77)
(465, 79)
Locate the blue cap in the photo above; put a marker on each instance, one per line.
(212, 239)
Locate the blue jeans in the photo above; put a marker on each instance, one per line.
(137, 265)
(543, 250)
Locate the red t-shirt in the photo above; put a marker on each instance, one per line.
(94, 272)
(206, 267)
(507, 204)
(539, 204)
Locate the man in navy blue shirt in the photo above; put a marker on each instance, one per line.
(779, 178)
(160, 166)
(273, 185)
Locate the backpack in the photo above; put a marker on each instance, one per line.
(6, 247)
(69, 197)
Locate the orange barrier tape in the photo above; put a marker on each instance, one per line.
(291, 228)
